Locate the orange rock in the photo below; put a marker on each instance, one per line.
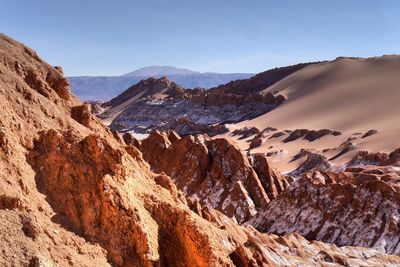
(215, 172)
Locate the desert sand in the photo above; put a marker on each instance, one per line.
(350, 95)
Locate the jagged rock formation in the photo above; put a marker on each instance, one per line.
(72, 194)
(151, 87)
(185, 126)
(316, 134)
(215, 172)
(313, 162)
(245, 132)
(379, 158)
(119, 203)
(161, 104)
(357, 207)
(273, 182)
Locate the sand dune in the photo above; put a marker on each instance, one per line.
(346, 94)
(350, 95)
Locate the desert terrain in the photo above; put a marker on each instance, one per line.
(74, 192)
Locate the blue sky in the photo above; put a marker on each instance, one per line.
(101, 37)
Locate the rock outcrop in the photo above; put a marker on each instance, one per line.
(215, 172)
(185, 126)
(369, 133)
(296, 134)
(378, 158)
(358, 207)
(245, 132)
(273, 182)
(313, 162)
(316, 134)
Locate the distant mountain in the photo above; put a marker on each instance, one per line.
(103, 88)
(160, 71)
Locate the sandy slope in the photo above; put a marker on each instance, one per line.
(346, 94)
(349, 95)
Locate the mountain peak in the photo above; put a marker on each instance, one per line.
(148, 87)
(156, 71)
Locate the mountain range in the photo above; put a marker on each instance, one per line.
(103, 88)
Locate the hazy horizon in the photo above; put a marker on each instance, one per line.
(101, 38)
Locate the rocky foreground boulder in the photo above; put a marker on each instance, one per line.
(73, 194)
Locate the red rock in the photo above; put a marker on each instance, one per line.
(273, 182)
(130, 140)
(215, 172)
(82, 114)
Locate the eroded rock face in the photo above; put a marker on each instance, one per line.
(214, 172)
(82, 114)
(273, 182)
(108, 208)
(353, 208)
(34, 96)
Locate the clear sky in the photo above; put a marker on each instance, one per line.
(88, 37)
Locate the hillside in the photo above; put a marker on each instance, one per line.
(259, 81)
